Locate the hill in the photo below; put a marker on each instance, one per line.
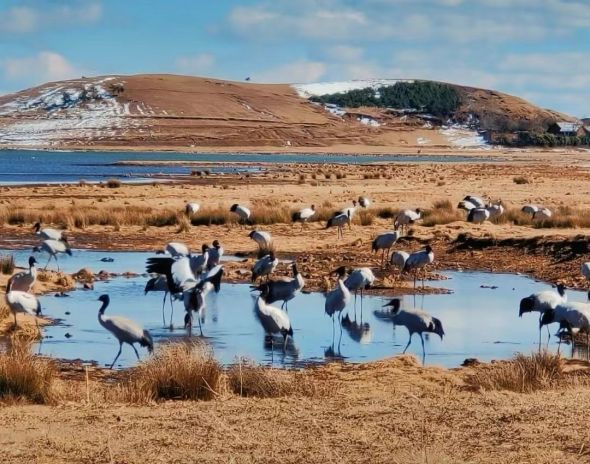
(180, 112)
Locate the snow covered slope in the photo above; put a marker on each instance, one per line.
(323, 88)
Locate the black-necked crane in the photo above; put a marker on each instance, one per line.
(358, 279)
(265, 266)
(192, 208)
(242, 212)
(398, 259)
(416, 321)
(262, 238)
(338, 298)
(273, 320)
(570, 316)
(383, 242)
(22, 302)
(23, 281)
(543, 214)
(53, 248)
(419, 260)
(215, 254)
(160, 284)
(348, 211)
(543, 301)
(125, 330)
(477, 201)
(406, 217)
(49, 234)
(194, 296)
(478, 215)
(303, 215)
(495, 209)
(198, 263)
(175, 249)
(466, 205)
(282, 290)
(530, 209)
(339, 221)
(364, 202)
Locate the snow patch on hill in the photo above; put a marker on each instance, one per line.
(82, 109)
(461, 136)
(324, 88)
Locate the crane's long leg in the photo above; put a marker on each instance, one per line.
(361, 305)
(409, 341)
(15, 324)
(45, 268)
(382, 257)
(171, 311)
(163, 304)
(118, 354)
(200, 326)
(285, 336)
(136, 353)
(57, 263)
(423, 350)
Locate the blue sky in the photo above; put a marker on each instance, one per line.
(536, 49)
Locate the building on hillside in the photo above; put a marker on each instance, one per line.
(568, 129)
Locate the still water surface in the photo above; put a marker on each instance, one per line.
(479, 322)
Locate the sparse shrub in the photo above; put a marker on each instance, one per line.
(183, 371)
(248, 379)
(443, 205)
(184, 225)
(440, 217)
(521, 180)
(386, 212)
(113, 183)
(523, 374)
(365, 217)
(24, 376)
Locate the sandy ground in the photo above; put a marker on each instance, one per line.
(390, 411)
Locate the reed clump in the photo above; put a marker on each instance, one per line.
(183, 371)
(24, 376)
(248, 379)
(523, 374)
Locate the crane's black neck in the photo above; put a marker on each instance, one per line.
(103, 307)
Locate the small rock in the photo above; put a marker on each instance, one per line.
(68, 335)
(88, 286)
(107, 260)
(471, 362)
(67, 313)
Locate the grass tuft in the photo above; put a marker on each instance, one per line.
(183, 371)
(24, 376)
(523, 374)
(245, 378)
(113, 183)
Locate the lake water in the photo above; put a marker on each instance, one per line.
(36, 166)
(478, 322)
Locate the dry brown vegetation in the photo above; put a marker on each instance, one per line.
(7, 264)
(245, 378)
(523, 374)
(184, 371)
(24, 376)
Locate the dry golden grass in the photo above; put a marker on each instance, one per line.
(25, 377)
(365, 217)
(185, 371)
(4, 311)
(113, 183)
(184, 225)
(523, 374)
(245, 378)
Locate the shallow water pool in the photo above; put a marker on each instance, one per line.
(479, 322)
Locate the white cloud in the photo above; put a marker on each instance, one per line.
(197, 64)
(25, 19)
(297, 72)
(44, 66)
